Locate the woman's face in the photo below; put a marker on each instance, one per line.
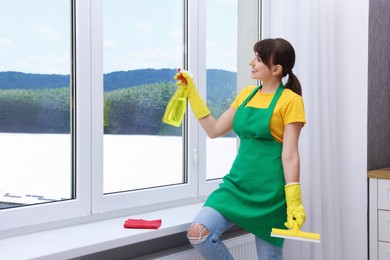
(260, 71)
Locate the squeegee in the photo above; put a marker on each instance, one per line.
(296, 233)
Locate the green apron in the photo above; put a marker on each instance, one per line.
(252, 194)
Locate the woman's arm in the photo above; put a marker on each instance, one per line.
(218, 127)
(290, 159)
(290, 152)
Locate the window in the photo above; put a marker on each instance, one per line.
(143, 47)
(221, 78)
(35, 96)
(87, 84)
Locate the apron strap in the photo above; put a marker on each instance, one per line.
(275, 99)
(250, 96)
(271, 106)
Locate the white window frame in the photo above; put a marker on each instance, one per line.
(29, 216)
(90, 201)
(249, 31)
(145, 198)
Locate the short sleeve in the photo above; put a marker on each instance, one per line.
(294, 111)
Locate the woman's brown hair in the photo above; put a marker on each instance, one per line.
(279, 52)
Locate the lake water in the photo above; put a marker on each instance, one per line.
(38, 166)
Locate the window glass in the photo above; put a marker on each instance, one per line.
(221, 63)
(35, 91)
(143, 47)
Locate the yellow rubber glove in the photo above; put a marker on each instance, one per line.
(199, 107)
(295, 210)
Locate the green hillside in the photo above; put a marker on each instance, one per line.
(114, 80)
(135, 109)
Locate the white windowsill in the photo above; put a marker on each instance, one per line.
(84, 239)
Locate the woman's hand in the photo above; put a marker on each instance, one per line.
(295, 210)
(199, 107)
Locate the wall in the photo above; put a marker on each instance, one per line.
(379, 85)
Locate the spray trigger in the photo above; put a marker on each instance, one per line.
(181, 77)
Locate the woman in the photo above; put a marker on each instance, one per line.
(262, 189)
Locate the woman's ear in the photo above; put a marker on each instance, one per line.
(277, 70)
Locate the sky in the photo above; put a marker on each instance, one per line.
(35, 35)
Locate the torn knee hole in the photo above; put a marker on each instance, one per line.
(197, 233)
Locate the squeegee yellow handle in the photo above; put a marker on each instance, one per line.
(296, 233)
(295, 227)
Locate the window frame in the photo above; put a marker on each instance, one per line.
(15, 218)
(132, 199)
(87, 77)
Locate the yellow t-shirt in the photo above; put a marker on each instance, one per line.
(289, 108)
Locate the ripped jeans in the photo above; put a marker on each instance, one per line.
(206, 230)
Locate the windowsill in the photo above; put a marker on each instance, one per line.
(84, 239)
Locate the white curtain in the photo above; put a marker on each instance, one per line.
(330, 38)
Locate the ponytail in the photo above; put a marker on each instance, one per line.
(293, 83)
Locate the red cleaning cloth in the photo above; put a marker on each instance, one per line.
(141, 223)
